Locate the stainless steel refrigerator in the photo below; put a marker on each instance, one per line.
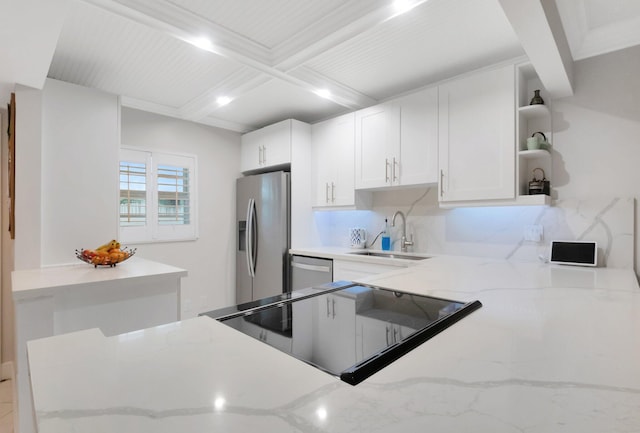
(263, 235)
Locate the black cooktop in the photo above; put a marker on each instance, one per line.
(348, 330)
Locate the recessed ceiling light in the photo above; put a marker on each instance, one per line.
(203, 43)
(323, 93)
(223, 100)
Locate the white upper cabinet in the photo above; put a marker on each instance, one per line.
(418, 138)
(476, 137)
(267, 147)
(396, 142)
(377, 144)
(332, 161)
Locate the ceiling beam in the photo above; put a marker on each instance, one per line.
(237, 84)
(538, 26)
(185, 25)
(164, 110)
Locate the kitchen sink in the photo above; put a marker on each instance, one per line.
(389, 255)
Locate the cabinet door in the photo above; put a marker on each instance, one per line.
(342, 159)
(334, 344)
(377, 141)
(276, 141)
(321, 164)
(250, 152)
(476, 137)
(372, 336)
(418, 159)
(333, 161)
(266, 147)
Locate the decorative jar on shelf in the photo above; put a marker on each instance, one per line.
(537, 99)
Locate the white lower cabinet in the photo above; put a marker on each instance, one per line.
(279, 341)
(345, 270)
(476, 137)
(374, 335)
(334, 345)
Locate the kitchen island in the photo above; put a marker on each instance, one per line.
(552, 349)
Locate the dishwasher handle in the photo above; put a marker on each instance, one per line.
(315, 268)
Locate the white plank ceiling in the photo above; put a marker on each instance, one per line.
(269, 57)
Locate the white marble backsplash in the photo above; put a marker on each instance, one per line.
(494, 232)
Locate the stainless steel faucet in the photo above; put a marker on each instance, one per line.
(403, 242)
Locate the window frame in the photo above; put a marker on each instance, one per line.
(153, 231)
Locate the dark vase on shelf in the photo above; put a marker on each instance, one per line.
(537, 99)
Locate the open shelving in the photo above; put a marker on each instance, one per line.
(532, 119)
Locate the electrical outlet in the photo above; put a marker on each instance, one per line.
(533, 233)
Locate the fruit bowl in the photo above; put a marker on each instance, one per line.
(105, 258)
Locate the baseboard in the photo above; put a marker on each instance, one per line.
(7, 371)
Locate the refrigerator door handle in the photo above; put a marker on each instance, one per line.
(249, 243)
(254, 238)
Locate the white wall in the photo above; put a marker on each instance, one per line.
(597, 131)
(28, 178)
(210, 260)
(80, 145)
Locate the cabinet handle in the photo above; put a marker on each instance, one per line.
(326, 192)
(333, 193)
(441, 183)
(395, 178)
(259, 155)
(333, 307)
(386, 328)
(264, 154)
(395, 335)
(386, 170)
(327, 307)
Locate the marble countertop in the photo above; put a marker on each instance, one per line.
(553, 349)
(33, 283)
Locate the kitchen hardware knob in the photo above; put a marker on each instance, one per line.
(326, 192)
(386, 170)
(333, 307)
(333, 193)
(441, 183)
(328, 313)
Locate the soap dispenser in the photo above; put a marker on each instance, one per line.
(386, 238)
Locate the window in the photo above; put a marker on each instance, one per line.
(157, 196)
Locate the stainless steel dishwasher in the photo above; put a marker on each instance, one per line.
(310, 271)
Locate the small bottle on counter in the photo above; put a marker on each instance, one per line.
(386, 239)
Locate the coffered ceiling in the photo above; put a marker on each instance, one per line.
(243, 64)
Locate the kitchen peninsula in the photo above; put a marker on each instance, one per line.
(552, 349)
(59, 299)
